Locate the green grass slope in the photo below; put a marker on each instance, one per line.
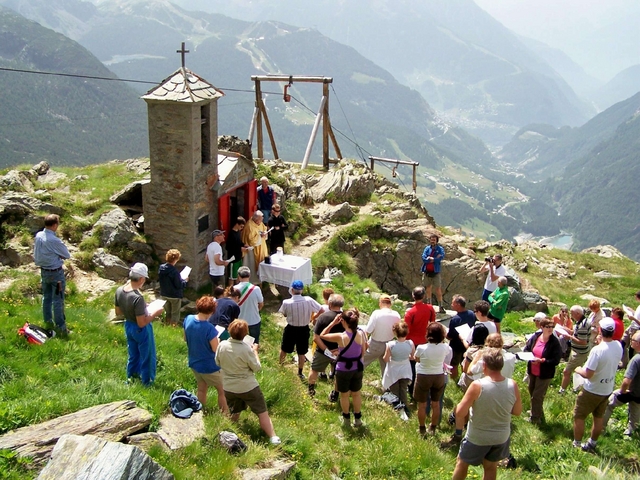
(62, 376)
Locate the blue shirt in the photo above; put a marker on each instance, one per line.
(461, 318)
(438, 255)
(49, 251)
(199, 334)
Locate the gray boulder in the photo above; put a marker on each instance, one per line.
(344, 184)
(17, 181)
(52, 177)
(41, 168)
(117, 228)
(91, 458)
(110, 266)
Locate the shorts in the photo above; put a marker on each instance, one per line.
(428, 386)
(253, 399)
(433, 280)
(475, 454)
(349, 381)
(297, 337)
(211, 379)
(494, 318)
(216, 280)
(233, 269)
(457, 358)
(575, 360)
(320, 361)
(254, 331)
(587, 403)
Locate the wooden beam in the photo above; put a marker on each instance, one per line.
(293, 78)
(252, 128)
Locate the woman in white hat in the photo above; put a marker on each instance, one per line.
(141, 344)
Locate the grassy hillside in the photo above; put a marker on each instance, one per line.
(63, 120)
(42, 382)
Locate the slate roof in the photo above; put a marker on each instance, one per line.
(183, 86)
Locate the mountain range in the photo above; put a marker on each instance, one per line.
(63, 120)
(138, 40)
(467, 65)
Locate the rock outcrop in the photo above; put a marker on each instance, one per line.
(112, 421)
(91, 458)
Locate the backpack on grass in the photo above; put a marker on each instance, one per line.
(35, 334)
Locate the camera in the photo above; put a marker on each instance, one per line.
(488, 259)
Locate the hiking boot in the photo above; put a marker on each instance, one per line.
(453, 442)
(432, 430)
(589, 448)
(357, 422)
(333, 396)
(561, 391)
(323, 376)
(312, 390)
(423, 431)
(301, 376)
(275, 440)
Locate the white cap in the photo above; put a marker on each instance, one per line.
(539, 316)
(140, 269)
(608, 324)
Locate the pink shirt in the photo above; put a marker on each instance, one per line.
(537, 352)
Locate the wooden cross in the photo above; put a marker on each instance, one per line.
(182, 51)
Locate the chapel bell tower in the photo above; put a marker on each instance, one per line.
(180, 202)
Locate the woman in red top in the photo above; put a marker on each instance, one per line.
(618, 315)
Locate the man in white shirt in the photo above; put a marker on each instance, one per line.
(481, 309)
(600, 374)
(250, 302)
(213, 257)
(496, 270)
(380, 329)
(298, 310)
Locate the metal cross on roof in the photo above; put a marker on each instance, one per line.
(182, 52)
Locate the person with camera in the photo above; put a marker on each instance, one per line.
(432, 256)
(496, 269)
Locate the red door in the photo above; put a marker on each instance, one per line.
(223, 213)
(251, 196)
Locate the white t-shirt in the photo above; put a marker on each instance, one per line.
(634, 326)
(507, 370)
(381, 323)
(249, 310)
(214, 249)
(603, 360)
(491, 326)
(499, 271)
(432, 357)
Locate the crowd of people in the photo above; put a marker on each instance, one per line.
(415, 353)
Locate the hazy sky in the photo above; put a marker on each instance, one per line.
(541, 18)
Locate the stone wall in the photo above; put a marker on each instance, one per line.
(180, 209)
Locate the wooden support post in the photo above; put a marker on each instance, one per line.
(314, 132)
(325, 127)
(269, 132)
(372, 163)
(259, 108)
(253, 125)
(415, 182)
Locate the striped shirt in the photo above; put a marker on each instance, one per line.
(298, 310)
(582, 331)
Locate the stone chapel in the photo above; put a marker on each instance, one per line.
(194, 188)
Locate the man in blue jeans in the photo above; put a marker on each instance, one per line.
(49, 254)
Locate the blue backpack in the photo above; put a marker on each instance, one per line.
(183, 403)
